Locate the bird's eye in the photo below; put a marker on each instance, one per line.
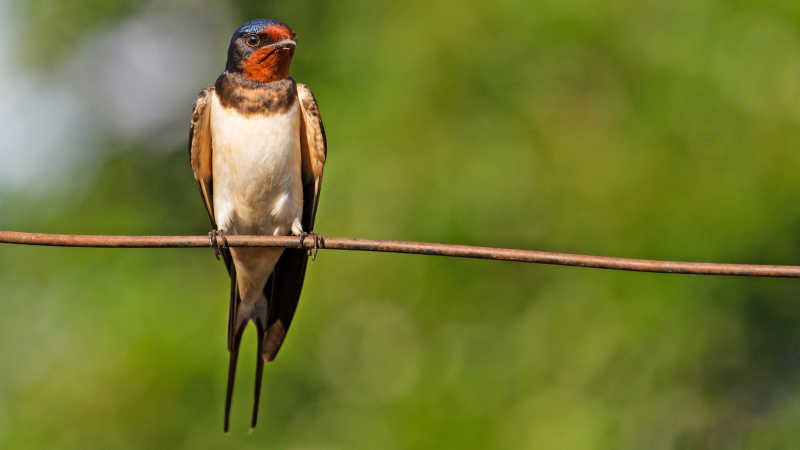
(252, 40)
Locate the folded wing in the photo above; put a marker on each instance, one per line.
(287, 280)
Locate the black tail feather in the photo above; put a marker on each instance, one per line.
(236, 326)
(232, 308)
(259, 372)
(234, 356)
(287, 283)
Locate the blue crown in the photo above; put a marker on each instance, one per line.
(256, 25)
(253, 26)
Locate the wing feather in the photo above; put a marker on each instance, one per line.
(291, 268)
(200, 156)
(314, 150)
(200, 148)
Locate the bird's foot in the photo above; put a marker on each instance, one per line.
(217, 240)
(318, 241)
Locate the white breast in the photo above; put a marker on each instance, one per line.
(256, 170)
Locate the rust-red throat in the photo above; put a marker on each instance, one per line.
(270, 63)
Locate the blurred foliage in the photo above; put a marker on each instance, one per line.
(643, 129)
(50, 29)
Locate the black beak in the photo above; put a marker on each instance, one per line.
(285, 44)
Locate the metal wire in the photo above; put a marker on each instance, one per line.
(420, 248)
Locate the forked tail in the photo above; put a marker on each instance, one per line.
(272, 314)
(237, 322)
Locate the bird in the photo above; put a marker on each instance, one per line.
(257, 149)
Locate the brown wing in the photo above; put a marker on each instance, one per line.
(200, 148)
(200, 152)
(287, 279)
(313, 153)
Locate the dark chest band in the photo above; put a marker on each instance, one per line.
(252, 97)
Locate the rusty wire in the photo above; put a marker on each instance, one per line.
(420, 248)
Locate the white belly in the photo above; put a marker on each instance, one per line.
(256, 168)
(257, 187)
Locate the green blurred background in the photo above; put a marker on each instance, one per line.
(643, 129)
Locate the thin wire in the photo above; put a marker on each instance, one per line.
(419, 248)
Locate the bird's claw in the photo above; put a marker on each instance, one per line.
(218, 241)
(318, 241)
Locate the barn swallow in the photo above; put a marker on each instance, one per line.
(257, 150)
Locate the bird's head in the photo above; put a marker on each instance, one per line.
(262, 50)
